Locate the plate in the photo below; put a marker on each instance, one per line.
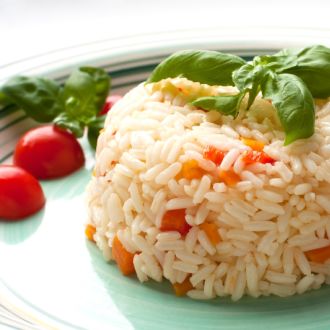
(51, 277)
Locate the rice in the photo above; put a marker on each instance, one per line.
(266, 222)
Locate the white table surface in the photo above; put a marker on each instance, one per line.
(33, 27)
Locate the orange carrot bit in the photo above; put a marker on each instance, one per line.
(123, 258)
(320, 255)
(250, 157)
(213, 154)
(175, 220)
(181, 289)
(190, 170)
(211, 230)
(230, 178)
(254, 144)
(89, 232)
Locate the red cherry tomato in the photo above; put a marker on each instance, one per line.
(20, 193)
(49, 152)
(110, 101)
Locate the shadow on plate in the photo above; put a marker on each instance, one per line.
(67, 187)
(153, 305)
(18, 231)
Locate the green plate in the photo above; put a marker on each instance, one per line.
(51, 275)
(47, 262)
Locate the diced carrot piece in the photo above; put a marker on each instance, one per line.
(213, 154)
(190, 170)
(123, 258)
(251, 156)
(89, 232)
(211, 230)
(181, 289)
(254, 144)
(320, 255)
(230, 178)
(175, 220)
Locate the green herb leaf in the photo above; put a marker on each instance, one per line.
(102, 83)
(225, 104)
(313, 67)
(73, 107)
(84, 94)
(248, 78)
(94, 127)
(294, 104)
(276, 62)
(244, 76)
(65, 121)
(79, 95)
(38, 97)
(4, 100)
(206, 67)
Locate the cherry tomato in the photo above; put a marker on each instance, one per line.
(110, 101)
(20, 193)
(49, 152)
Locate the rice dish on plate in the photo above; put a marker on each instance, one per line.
(217, 206)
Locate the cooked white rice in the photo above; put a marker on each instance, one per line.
(266, 222)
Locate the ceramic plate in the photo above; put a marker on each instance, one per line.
(52, 277)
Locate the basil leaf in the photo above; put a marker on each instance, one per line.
(206, 67)
(4, 100)
(294, 104)
(276, 62)
(94, 127)
(243, 77)
(313, 67)
(64, 120)
(38, 97)
(79, 95)
(248, 78)
(102, 83)
(288, 52)
(225, 104)
(84, 94)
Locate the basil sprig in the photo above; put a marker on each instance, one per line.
(312, 66)
(290, 79)
(206, 67)
(74, 106)
(229, 104)
(94, 127)
(294, 104)
(39, 97)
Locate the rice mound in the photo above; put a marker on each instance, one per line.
(267, 221)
